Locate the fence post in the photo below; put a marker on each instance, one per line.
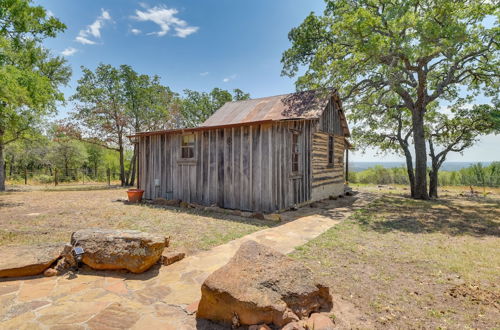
(25, 176)
(108, 173)
(83, 176)
(55, 177)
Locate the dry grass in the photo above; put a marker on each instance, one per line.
(415, 264)
(35, 216)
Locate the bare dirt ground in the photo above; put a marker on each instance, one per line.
(405, 264)
(36, 214)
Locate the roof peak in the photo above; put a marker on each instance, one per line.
(286, 94)
(299, 105)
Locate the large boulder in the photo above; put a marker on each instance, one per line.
(260, 285)
(16, 261)
(119, 249)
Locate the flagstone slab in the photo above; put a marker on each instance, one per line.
(18, 261)
(161, 298)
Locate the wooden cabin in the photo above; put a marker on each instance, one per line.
(260, 155)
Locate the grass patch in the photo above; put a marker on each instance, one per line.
(38, 216)
(400, 261)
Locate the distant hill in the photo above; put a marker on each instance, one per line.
(447, 166)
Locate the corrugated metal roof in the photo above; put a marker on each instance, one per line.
(301, 105)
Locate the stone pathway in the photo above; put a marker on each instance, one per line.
(163, 297)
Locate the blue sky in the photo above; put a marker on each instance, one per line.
(196, 44)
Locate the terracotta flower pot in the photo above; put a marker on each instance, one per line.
(135, 195)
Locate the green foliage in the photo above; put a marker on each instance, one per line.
(100, 112)
(386, 57)
(149, 105)
(67, 154)
(198, 106)
(380, 175)
(359, 46)
(30, 76)
(474, 175)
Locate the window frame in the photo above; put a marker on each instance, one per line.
(295, 153)
(189, 146)
(331, 150)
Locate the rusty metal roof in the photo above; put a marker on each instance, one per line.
(295, 106)
(301, 105)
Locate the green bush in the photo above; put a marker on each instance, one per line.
(43, 178)
(474, 175)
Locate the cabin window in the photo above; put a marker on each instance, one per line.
(187, 146)
(295, 152)
(330, 150)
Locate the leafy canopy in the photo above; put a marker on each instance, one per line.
(419, 50)
(30, 75)
(198, 106)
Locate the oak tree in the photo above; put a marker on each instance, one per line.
(422, 51)
(30, 75)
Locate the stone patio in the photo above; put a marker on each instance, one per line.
(163, 297)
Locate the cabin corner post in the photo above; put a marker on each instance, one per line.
(347, 165)
(138, 164)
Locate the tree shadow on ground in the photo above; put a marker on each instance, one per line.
(81, 188)
(211, 214)
(122, 274)
(445, 216)
(328, 208)
(7, 204)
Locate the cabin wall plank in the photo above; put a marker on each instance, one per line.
(247, 167)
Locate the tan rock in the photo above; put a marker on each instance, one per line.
(294, 326)
(168, 258)
(259, 327)
(19, 261)
(119, 249)
(257, 215)
(49, 272)
(213, 209)
(166, 202)
(319, 321)
(261, 285)
(115, 316)
(273, 217)
(185, 205)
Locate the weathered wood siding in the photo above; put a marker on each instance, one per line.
(329, 121)
(327, 179)
(246, 167)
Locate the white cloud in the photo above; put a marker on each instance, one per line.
(135, 31)
(184, 32)
(84, 41)
(165, 18)
(69, 51)
(49, 13)
(93, 30)
(203, 74)
(228, 79)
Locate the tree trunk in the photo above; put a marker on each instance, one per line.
(133, 163)
(2, 165)
(11, 164)
(433, 182)
(420, 155)
(122, 161)
(410, 171)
